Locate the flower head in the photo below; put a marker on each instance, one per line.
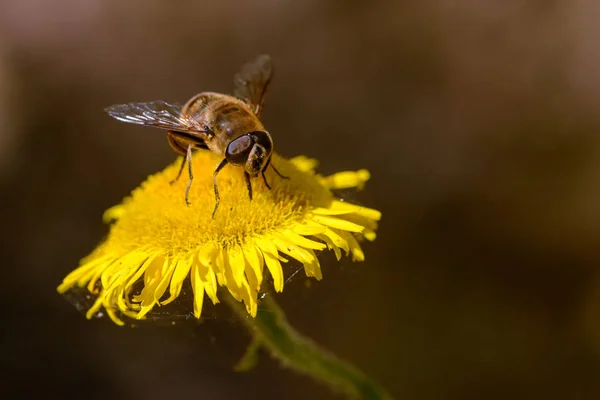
(156, 242)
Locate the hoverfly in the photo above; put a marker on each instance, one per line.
(226, 125)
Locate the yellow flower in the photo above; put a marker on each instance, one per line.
(156, 242)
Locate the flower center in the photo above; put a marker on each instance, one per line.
(156, 215)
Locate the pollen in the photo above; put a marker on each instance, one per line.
(156, 242)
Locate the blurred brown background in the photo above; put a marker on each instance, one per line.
(479, 121)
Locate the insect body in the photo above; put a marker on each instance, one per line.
(226, 125)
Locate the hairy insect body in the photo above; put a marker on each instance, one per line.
(226, 125)
(226, 118)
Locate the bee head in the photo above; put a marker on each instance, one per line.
(252, 151)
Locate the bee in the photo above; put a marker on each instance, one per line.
(226, 125)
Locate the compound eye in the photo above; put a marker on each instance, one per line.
(238, 150)
(264, 139)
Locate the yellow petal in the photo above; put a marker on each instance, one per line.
(330, 211)
(274, 268)
(266, 245)
(369, 234)
(206, 254)
(304, 163)
(313, 268)
(198, 289)
(308, 228)
(220, 266)
(338, 207)
(113, 315)
(182, 271)
(357, 253)
(113, 213)
(251, 278)
(125, 282)
(149, 263)
(337, 239)
(255, 261)
(155, 287)
(287, 247)
(347, 179)
(237, 264)
(302, 241)
(209, 281)
(365, 222)
(81, 275)
(123, 268)
(338, 223)
(152, 277)
(165, 280)
(331, 245)
(95, 307)
(228, 274)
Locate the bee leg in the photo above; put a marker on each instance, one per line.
(217, 198)
(279, 173)
(263, 173)
(188, 158)
(179, 149)
(274, 169)
(248, 184)
(180, 170)
(265, 179)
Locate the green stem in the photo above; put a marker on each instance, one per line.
(271, 330)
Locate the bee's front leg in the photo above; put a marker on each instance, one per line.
(279, 173)
(188, 157)
(248, 184)
(217, 198)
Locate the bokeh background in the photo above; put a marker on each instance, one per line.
(480, 123)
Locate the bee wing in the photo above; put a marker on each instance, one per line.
(157, 114)
(250, 84)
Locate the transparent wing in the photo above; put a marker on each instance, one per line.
(250, 84)
(157, 114)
